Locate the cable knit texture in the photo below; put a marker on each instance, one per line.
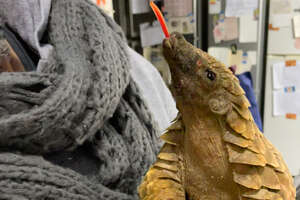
(77, 128)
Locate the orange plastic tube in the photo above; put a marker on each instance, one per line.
(160, 18)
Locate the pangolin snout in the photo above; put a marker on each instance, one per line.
(171, 43)
(178, 52)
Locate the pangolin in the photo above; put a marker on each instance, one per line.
(213, 150)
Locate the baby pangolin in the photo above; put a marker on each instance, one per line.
(213, 150)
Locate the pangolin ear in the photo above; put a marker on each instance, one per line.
(219, 105)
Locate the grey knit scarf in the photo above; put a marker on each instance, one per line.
(77, 128)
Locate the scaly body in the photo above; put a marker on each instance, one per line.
(213, 150)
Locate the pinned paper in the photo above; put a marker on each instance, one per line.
(296, 6)
(178, 8)
(222, 54)
(282, 42)
(281, 20)
(246, 65)
(241, 61)
(284, 103)
(238, 8)
(215, 6)
(284, 76)
(252, 57)
(236, 59)
(140, 6)
(296, 26)
(227, 30)
(280, 7)
(218, 33)
(248, 29)
(151, 35)
(231, 28)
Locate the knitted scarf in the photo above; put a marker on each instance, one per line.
(77, 128)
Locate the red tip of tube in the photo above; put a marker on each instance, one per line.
(160, 18)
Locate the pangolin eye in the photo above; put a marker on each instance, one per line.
(210, 75)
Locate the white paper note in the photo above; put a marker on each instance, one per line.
(241, 61)
(151, 35)
(222, 54)
(237, 8)
(282, 42)
(277, 75)
(246, 64)
(281, 6)
(248, 29)
(215, 6)
(140, 6)
(281, 20)
(286, 102)
(252, 57)
(236, 59)
(296, 26)
(286, 76)
(296, 6)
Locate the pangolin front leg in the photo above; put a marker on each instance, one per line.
(163, 180)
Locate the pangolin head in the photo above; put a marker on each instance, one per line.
(198, 77)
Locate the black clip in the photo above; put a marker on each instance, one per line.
(233, 48)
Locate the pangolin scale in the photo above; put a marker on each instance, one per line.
(213, 150)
